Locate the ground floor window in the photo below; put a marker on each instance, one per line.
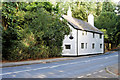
(86, 45)
(67, 46)
(100, 45)
(93, 45)
(82, 45)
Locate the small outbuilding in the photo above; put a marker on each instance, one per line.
(84, 37)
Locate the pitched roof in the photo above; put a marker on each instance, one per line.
(81, 25)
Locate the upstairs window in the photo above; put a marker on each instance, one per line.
(93, 46)
(86, 32)
(93, 35)
(83, 33)
(67, 46)
(82, 45)
(100, 36)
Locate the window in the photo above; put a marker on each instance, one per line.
(86, 45)
(86, 32)
(100, 36)
(82, 33)
(82, 45)
(67, 46)
(93, 35)
(93, 46)
(100, 45)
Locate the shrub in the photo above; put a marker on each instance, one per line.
(31, 32)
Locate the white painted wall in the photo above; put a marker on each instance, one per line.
(86, 38)
(71, 42)
(89, 40)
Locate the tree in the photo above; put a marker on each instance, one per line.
(118, 8)
(83, 9)
(107, 20)
(32, 31)
(108, 7)
(116, 35)
(98, 8)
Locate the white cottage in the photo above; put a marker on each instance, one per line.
(84, 38)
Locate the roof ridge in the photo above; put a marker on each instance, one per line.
(80, 24)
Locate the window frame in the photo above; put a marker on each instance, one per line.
(100, 46)
(100, 35)
(93, 35)
(67, 46)
(83, 33)
(86, 46)
(93, 45)
(86, 32)
(82, 45)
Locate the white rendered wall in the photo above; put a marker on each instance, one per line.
(72, 42)
(82, 39)
(89, 40)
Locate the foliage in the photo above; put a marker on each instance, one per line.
(118, 9)
(80, 9)
(116, 35)
(108, 7)
(98, 8)
(107, 20)
(105, 34)
(0, 39)
(31, 31)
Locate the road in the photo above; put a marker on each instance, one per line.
(62, 69)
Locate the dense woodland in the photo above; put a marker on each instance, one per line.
(34, 30)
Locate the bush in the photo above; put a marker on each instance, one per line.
(31, 32)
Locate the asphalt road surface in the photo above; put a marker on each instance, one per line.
(62, 69)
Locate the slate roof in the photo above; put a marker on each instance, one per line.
(81, 25)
